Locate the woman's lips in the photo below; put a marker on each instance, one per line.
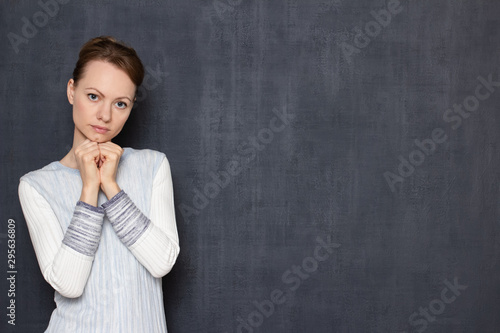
(99, 129)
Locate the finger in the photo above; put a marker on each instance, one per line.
(87, 152)
(110, 146)
(91, 150)
(109, 143)
(108, 151)
(86, 144)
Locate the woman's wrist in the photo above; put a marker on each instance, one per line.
(110, 189)
(89, 195)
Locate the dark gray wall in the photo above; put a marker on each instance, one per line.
(406, 223)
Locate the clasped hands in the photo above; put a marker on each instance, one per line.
(98, 165)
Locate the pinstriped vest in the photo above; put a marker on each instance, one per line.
(120, 295)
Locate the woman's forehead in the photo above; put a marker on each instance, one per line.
(107, 78)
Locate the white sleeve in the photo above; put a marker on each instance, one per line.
(65, 263)
(153, 241)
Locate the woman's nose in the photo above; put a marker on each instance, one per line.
(104, 113)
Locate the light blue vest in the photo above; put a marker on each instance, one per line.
(121, 295)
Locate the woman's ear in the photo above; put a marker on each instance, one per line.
(70, 91)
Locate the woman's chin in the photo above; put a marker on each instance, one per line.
(100, 138)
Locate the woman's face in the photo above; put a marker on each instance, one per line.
(102, 100)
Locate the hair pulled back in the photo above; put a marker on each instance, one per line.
(108, 49)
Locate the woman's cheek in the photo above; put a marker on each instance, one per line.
(78, 108)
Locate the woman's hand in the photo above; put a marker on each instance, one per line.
(110, 155)
(87, 159)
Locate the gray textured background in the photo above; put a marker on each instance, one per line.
(222, 67)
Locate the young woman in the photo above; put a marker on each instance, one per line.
(102, 219)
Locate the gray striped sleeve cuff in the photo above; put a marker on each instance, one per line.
(127, 220)
(84, 231)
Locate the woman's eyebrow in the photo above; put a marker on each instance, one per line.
(105, 96)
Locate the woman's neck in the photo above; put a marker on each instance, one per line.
(69, 160)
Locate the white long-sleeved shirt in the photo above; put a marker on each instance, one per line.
(104, 262)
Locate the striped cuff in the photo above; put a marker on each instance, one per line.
(127, 220)
(84, 231)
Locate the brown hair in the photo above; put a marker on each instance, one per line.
(108, 49)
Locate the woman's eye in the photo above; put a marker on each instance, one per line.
(92, 97)
(121, 105)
